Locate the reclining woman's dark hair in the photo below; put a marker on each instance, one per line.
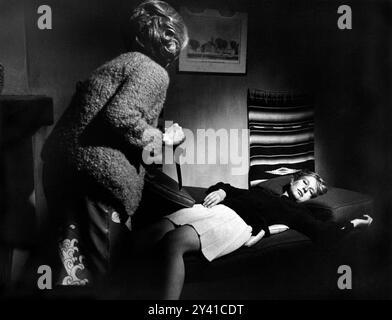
(158, 31)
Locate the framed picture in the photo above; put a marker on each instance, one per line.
(217, 43)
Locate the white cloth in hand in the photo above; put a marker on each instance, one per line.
(273, 229)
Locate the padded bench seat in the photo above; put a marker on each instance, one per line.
(337, 204)
(285, 246)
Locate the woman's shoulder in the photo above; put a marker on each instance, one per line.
(131, 65)
(131, 62)
(266, 190)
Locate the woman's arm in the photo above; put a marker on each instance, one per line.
(274, 229)
(230, 191)
(323, 232)
(217, 193)
(254, 239)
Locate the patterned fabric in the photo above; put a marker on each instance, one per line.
(74, 271)
(281, 134)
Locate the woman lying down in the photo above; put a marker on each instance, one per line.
(230, 218)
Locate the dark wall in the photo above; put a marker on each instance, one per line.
(13, 47)
(353, 113)
(85, 34)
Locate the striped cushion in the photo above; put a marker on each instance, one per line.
(281, 134)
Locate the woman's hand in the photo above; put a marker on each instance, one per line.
(360, 223)
(174, 135)
(214, 198)
(254, 239)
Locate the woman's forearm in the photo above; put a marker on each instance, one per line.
(229, 190)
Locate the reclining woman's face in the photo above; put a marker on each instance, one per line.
(303, 188)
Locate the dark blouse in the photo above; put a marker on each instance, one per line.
(261, 208)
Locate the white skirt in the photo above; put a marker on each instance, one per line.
(221, 229)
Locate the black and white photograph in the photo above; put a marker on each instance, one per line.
(212, 153)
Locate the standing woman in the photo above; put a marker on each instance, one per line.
(93, 159)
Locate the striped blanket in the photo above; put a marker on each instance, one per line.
(281, 134)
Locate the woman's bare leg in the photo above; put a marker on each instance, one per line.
(144, 240)
(175, 244)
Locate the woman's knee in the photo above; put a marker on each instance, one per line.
(164, 226)
(181, 240)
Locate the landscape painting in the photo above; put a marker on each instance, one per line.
(216, 43)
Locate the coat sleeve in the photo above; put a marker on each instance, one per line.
(135, 107)
(323, 233)
(231, 191)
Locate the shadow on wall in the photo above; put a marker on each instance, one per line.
(84, 35)
(13, 48)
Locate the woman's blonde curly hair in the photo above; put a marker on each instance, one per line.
(158, 31)
(321, 184)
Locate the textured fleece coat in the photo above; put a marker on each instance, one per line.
(97, 144)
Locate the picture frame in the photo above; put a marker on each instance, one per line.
(217, 43)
